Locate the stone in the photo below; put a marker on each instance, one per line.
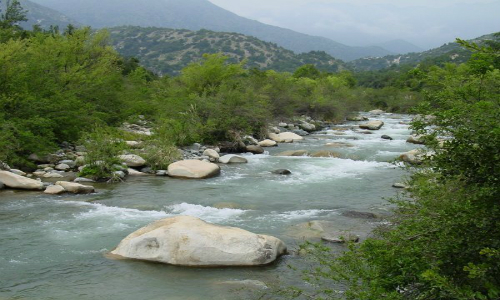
(189, 241)
(133, 172)
(325, 153)
(255, 149)
(62, 167)
(300, 132)
(359, 214)
(307, 126)
(340, 238)
(416, 139)
(233, 159)
(294, 153)
(39, 173)
(54, 190)
(161, 173)
(4, 166)
(250, 140)
(18, 172)
(132, 160)
(285, 137)
(211, 153)
(15, 181)
(52, 175)
(268, 143)
(372, 125)
(399, 185)
(76, 188)
(377, 112)
(80, 161)
(133, 144)
(70, 163)
(119, 174)
(356, 118)
(282, 172)
(386, 137)
(413, 157)
(193, 169)
(83, 179)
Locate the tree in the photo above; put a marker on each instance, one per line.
(14, 14)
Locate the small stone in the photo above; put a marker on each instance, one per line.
(133, 172)
(341, 238)
(233, 159)
(68, 162)
(52, 175)
(62, 167)
(161, 173)
(211, 153)
(268, 143)
(386, 137)
(83, 179)
(399, 185)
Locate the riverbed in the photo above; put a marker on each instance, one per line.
(55, 247)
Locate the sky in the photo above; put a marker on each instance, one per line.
(425, 23)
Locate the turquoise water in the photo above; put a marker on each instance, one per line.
(54, 247)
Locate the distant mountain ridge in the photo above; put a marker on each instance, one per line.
(167, 51)
(450, 52)
(196, 15)
(400, 46)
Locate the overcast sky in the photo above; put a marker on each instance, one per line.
(425, 23)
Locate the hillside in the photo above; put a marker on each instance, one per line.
(42, 16)
(400, 46)
(196, 15)
(167, 51)
(450, 52)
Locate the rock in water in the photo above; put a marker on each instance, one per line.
(416, 139)
(54, 190)
(132, 160)
(386, 137)
(15, 181)
(356, 118)
(193, 169)
(294, 153)
(285, 137)
(233, 159)
(282, 172)
(189, 241)
(211, 153)
(255, 149)
(268, 143)
(377, 112)
(76, 188)
(325, 153)
(372, 125)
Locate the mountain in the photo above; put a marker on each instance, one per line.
(400, 47)
(167, 51)
(450, 52)
(196, 15)
(42, 16)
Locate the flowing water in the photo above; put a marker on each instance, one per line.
(54, 247)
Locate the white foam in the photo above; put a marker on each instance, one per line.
(206, 213)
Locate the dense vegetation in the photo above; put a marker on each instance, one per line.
(443, 241)
(58, 86)
(168, 51)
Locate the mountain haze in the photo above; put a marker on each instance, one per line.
(42, 16)
(196, 15)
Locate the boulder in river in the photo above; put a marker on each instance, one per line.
(52, 175)
(193, 169)
(134, 172)
(294, 153)
(307, 126)
(386, 137)
(268, 143)
(376, 112)
(339, 145)
(416, 139)
(356, 118)
(18, 172)
(255, 149)
(211, 153)
(399, 185)
(282, 172)
(232, 159)
(15, 181)
(62, 167)
(285, 137)
(359, 214)
(132, 160)
(414, 157)
(189, 241)
(76, 188)
(340, 238)
(372, 125)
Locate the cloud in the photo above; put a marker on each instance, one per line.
(427, 23)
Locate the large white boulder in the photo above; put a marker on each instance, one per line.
(54, 190)
(211, 153)
(132, 160)
(285, 137)
(232, 159)
(189, 241)
(76, 188)
(193, 169)
(15, 181)
(372, 125)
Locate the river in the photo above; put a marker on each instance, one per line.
(54, 247)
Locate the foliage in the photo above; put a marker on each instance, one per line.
(103, 146)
